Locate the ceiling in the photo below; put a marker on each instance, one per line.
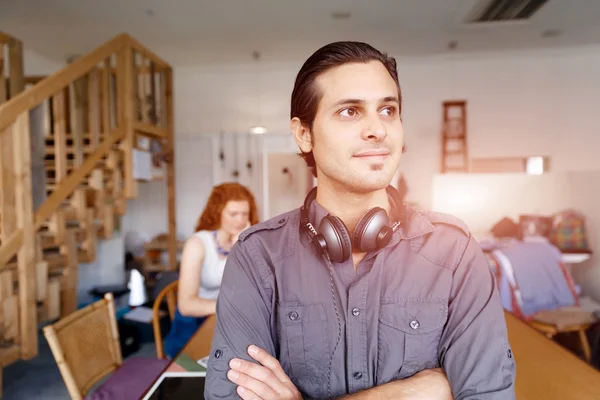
(225, 31)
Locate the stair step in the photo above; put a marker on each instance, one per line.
(86, 138)
(51, 181)
(52, 187)
(48, 240)
(69, 135)
(51, 166)
(56, 262)
(50, 150)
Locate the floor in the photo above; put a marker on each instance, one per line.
(40, 378)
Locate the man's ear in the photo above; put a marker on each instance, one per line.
(302, 135)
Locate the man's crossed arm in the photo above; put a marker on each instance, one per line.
(268, 381)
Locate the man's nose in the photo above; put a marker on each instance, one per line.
(375, 129)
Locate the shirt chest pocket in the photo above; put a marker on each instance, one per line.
(408, 338)
(304, 345)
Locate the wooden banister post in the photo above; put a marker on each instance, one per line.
(26, 256)
(3, 94)
(125, 114)
(171, 170)
(15, 65)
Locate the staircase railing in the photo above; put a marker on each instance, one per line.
(74, 130)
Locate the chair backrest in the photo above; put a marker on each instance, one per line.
(86, 345)
(162, 281)
(170, 294)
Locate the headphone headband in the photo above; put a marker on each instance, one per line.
(393, 195)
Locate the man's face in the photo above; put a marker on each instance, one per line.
(357, 133)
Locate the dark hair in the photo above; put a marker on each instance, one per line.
(306, 97)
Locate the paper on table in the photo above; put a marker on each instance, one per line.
(204, 362)
(140, 314)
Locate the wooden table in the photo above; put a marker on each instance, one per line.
(545, 370)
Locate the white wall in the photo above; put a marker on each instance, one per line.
(35, 64)
(519, 104)
(286, 190)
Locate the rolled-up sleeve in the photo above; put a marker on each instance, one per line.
(474, 350)
(243, 318)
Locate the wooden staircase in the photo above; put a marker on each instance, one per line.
(67, 147)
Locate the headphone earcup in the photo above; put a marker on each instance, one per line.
(337, 238)
(372, 231)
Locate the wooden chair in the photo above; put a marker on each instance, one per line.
(86, 347)
(566, 320)
(170, 293)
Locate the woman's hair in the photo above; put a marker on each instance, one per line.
(210, 219)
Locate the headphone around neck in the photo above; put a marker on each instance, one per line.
(373, 231)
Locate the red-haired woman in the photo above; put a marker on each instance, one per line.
(230, 209)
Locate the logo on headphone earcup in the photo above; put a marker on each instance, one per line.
(337, 238)
(372, 231)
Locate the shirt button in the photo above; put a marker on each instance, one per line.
(217, 353)
(357, 375)
(414, 324)
(281, 221)
(293, 315)
(355, 312)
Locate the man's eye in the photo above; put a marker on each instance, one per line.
(389, 111)
(348, 112)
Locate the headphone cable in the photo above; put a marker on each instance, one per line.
(337, 314)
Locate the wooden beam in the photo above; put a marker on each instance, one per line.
(8, 356)
(12, 244)
(94, 102)
(108, 221)
(5, 38)
(153, 104)
(138, 87)
(146, 106)
(3, 94)
(60, 135)
(69, 277)
(15, 66)
(171, 202)
(26, 255)
(150, 130)
(57, 81)
(126, 116)
(89, 244)
(147, 53)
(57, 226)
(78, 114)
(105, 91)
(96, 182)
(7, 180)
(34, 79)
(41, 289)
(162, 118)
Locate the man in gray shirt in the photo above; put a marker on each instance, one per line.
(355, 294)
